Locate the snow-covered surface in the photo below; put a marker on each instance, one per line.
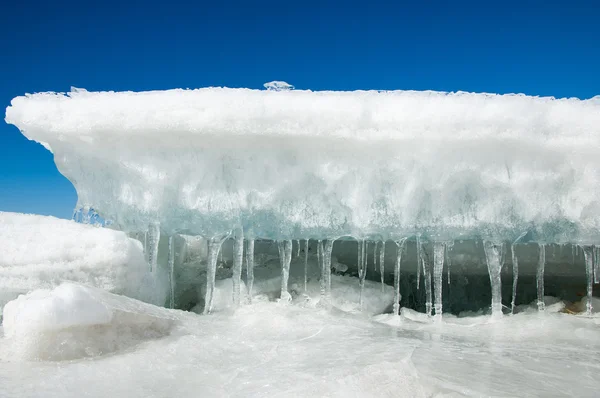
(267, 349)
(74, 321)
(325, 164)
(41, 252)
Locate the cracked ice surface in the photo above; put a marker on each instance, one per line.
(296, 164)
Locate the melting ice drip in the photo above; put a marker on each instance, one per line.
(289, 165)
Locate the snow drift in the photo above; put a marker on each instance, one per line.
(41, 252)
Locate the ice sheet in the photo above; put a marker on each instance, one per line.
(41, 252)
(284, 164)
(267, 349)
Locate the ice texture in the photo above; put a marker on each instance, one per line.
(74, 321)
(298, 164)
(40, 252)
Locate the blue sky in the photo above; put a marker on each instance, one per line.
(532, 47)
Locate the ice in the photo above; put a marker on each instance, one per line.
(362, 268)
(238, 259)
(596, 264)
(515, 268)
(214, 246)
(153, 239)
(305, 263)
(439, 254)
(446, 164)
(540, 276)
(74, 321)
(285, 256)
(426, 265)
(171, 265)
(588, 252)
(494, 253)
(382, 265)
(41, 252)
(396, 305)
(250, 267)
(306, 351)
(278, 86)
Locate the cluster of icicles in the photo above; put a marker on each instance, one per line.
(494, 253)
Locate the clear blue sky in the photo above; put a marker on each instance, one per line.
(533, 47)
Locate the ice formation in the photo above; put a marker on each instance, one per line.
(420, 169)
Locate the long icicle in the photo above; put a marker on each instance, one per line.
(439, 249)
(214, 246)
(327, 268)
(588, 253)
(362, 270)
(375, 256)
(596, 264)
(297, 248)
(515, 267)
(449, 248)
(285, 256)
(153, 241)
(396, 305)
(250, 267)
(305, 264)
(382, 265)
(238, 259)
(427, 276)
(494, 255)
(540, 277)
(419, 261)
(322, 281)
(171, 263)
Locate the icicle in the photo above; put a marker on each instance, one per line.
(297, 248)
(214, 246)
(285, 256)
(322, 281)
(540, 277)
(396, 305)
(362, 269)
(153, 240)
(305, 264)
(449, 247)
(171, 262)
(419, 261)
(326, 270)
(238, 259)
(250, 267)
(596, 264)
(375, 256)
(426, 276)
(438, 267)
(588, 253)
(515, 267)
(493, 255)
(221, 256)
(382, 265)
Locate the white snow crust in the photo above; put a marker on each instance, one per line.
(315, 164)
(41, 252)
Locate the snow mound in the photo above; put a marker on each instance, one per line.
(75, 321)
(40, 252)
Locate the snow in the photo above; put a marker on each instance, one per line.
(74, 321)
(266, 349)
(296, 164)
(41, 252)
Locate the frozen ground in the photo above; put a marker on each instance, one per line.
(269, 349)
